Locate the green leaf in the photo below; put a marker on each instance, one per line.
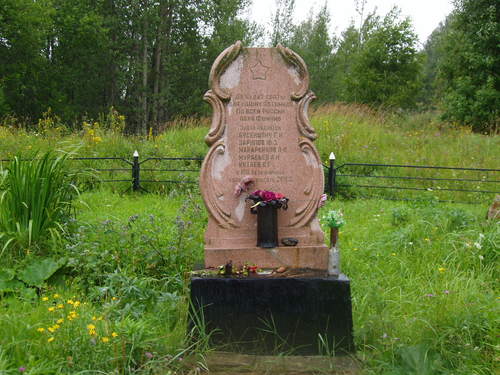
(27, 294)
(38, 272)
(10, 285)
(7, 274)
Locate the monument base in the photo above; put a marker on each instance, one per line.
(257, 315)
(314, 257)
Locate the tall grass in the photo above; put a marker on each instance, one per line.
(423, 279)
(423, 284)
(35, 201)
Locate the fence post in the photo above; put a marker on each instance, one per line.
(136, 172)
(332, 173)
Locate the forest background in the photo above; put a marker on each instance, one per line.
(149, 60)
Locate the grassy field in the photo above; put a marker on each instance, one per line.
(424, 274)
(423, 282)
(355, 133)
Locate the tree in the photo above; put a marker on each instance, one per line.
(312, 41)
(385, 66)
(282, 22)
(468, 69)
(344, 58)
(24, 72)
(432, 55)
(149, 59)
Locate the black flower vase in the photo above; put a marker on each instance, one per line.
(267, 226)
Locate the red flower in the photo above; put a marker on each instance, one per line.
(268, 196)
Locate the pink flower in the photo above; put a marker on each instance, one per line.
(22, 369)
(243, 185)
(257, 193)
(322, 200)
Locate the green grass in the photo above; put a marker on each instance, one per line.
(423, 282)
(35, 202)
(424, 274)
(126, 266)
(423, 286)
(355, 133)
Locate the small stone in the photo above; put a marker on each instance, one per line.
(494, 210)
(281, 269)
(289, 241)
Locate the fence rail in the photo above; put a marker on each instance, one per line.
(348, 175)
(360, 176)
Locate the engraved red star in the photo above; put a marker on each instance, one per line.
(259, 70)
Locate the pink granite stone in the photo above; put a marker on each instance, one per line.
(261, 138)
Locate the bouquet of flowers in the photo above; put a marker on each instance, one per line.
(267, 198)
(334, 219)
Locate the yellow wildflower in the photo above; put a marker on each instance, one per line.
(56, 326)
(45, 298)
(60, 306)
(114, 298)
(92, 332)
(50, 339)
(52, 308)
(56, 295)
(94, 318)
(105, 339)
(51, 329)
(60, 321)
(114, 334)
(90, 326)
(70, 302)
(441, 269)
(77, 303)
(41, 329)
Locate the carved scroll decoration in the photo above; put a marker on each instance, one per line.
(218, 118)
(296, 61)
(211, 186)
(212, 191)
(313, 189)
(220, 64)
(302, 118)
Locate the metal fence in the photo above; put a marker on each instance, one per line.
(141, 171)
(370, 177)
(340, 180)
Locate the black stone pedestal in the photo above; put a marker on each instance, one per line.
(302, 316)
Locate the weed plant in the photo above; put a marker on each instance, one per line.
(120, 302)
(110, 254)
(35, 203)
